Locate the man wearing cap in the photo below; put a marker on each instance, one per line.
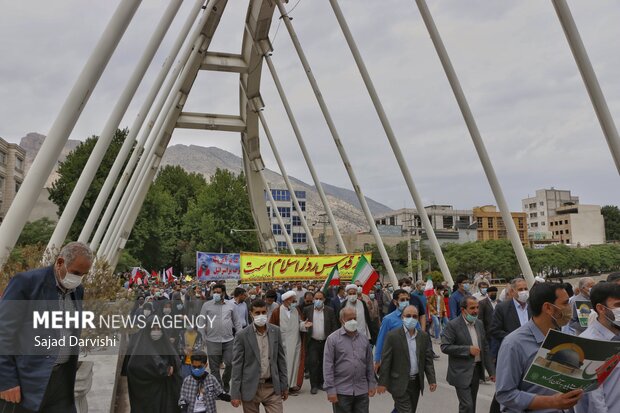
(365, 325)
(290, 320)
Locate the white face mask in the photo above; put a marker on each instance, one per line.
(167, 311)
(147, 313)
(156, 334)
(71, 280)
(407, 288)
(523, 296)
(616, 314)
(352, 298)
(260, 320)
(350, 326)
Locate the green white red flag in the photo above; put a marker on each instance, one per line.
(365, 274)
(332, 280)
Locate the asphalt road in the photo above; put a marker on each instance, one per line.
(442, 400)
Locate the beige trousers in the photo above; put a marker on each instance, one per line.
(266, 396)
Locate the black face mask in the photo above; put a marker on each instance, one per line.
(493, 297)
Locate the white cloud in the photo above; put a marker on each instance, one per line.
(512, 59)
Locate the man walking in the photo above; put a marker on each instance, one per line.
(221, 318)
(259, 365)
(324, 323)
(407, 357)
(29, 380)
(347, 367)
(468, 354)
(464, 287)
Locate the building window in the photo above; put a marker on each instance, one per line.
(542, 203)
(566, 222)
(285, 212)
(561, 232)
(542, 213)
(282, 245)
(542, 224)
(299, 238)
(533, 215)
(490, 222)
(280, 195)
(276, 229)
(300, 194)
(2, 158)
(302, 205)
(392, 221)
(268, 211)
(520, 223)
(19, 164)
(17, 185)
(568, 241)
(532, 206)
(479, 222)
(534, 224)
(288, 228)
(296, 221)
(566, 232)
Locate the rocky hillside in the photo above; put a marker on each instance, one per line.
(206, 161)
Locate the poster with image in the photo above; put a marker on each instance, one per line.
(565, 362)
(584, 308)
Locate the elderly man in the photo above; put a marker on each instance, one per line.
(365, 324)
(407, 357)
(347, 367)
(468, 353)
(585, 285)
(290, 320)
(33, 381)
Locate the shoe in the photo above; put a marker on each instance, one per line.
(314, 390)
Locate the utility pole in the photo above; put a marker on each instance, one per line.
(323, 237)
(409, 245)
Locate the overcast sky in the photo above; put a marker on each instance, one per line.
(512, 58)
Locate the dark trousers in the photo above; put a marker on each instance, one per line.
(58, 397)
(352, 404)
(467, 395)
(219, 352)
(314, 361)
(408, 401)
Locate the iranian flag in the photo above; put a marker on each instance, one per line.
(332, 280)
(429, 290)
(365, 274)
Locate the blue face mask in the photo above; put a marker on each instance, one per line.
(198, 372)
(402, 305)
(466, 287)
(471, 319)
(318, 303)
(410, 323)
(217, 297)
(483, 291)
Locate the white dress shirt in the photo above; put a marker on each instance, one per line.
(521, 312)
(318, 325)
(413, 356)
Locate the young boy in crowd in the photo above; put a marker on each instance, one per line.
(200, 389)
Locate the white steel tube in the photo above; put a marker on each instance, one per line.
(337, 141)
(157, 134)
(478, 142)
(389, 132)
(25, 199)
(304, 150)
(125, 184)
(105, 139)
(128, 144)
(289, 186)
(589, 79)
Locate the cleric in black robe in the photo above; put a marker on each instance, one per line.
(153, 372)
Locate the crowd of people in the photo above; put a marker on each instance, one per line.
(263, 340)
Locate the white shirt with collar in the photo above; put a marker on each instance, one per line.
(318, 325)
(413, 356)
(606, 398)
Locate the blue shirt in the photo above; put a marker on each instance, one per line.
(413, 357)
(607, 396)
(455, 304)
(390, 322)
(421, 297)
(515, 356)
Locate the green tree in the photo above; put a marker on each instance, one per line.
(223, 205)
(611, 215)
(69, 172)
(36, 232)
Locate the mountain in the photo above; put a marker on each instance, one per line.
(344, 202)
(206, 161)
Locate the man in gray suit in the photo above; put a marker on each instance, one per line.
(407, 356)
(468, 353)
(259, 365)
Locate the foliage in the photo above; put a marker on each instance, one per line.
(36, 232)
(183, 213)
(436, 276)
(69, 172)
(611, 215)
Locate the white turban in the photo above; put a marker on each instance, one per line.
(539, 279)
(288, 295)
(351, 286)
